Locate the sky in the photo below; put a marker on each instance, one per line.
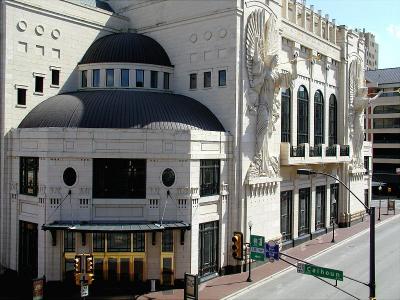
(381, 17)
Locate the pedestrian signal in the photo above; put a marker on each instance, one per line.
(237, 247)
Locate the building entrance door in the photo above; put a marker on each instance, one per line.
(208, 248)
(28, 249)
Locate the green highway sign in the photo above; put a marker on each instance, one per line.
(257, 251)
(319, 271)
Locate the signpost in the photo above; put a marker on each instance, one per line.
(191, 290)
(84, 290)
(257, 251)
(319, 271)
(272, 251)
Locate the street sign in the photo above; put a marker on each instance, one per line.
(84, 290)
(319, 271)
(257, 251)
(272, 251)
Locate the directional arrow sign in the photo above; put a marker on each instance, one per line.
(257, 251)
(319, 271)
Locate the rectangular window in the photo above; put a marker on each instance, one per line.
(208, 248)
(207, 79)
(119, 178)
(110, 77)
(139, 78)
(320, 207)
(166, 81)
(69, 241)
(138, 242)
(124, 77)
(366, 197)
(222, 78)
(366, 164)
(193, 81)
(29, 168)
(21, 96)
(96, 78)
(55, 77)
(118, 242)
(99, 242)
(39, 80)
(209, 177)
(285, 116)
(84, 78)
(168, 241)
(286, 215)
(304, 211)
(153, 79)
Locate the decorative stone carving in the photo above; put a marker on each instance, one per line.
(21, 26)
(207, 35)
(222, 33)
(55, 34)
(358, 102)
(262, 47)
(193, 38)
(39, 30)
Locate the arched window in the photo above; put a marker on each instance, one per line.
(318, 118)
(332, 120)
(302, 113)
(285, 116)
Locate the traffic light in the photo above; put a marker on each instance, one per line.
(78, 264)
(90, 278)
(77, 278)
(237, 246)
(89, 264)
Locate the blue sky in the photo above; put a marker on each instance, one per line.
(381, 17)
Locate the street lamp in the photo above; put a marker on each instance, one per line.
(334, 214)
(380, 190)
(250, 223)
(371, 212)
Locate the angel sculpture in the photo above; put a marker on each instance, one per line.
(359, 101)
(262, 41)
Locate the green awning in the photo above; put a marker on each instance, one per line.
(115, 227)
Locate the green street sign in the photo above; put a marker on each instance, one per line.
(257, 251)
(319, 271)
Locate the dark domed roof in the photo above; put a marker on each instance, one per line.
(122, 109)
(126, 47)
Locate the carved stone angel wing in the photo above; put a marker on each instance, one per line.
(354, 85)
(271, 37)
(255, 41)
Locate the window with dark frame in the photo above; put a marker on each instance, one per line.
(167, 241)
(320, 204)
(286, 215)
(109, 77)
(29, 168)
(209, 177)
(95, 78)
(285, 116)
(39, 81)
(55, 77)
(332, 120)
(69, 241)
(99, 242)
(302, 115)
(21, 96)
(138, 242)
(366, 164)
(318, 118)
(153, 79)
(222, 78)
(124, 77)
(84, 78)
(207, 79)
(119, 178)
(208, 247)
(139, 78)
(118, 242)
(304, 211)
(193, 81)
(166, 81)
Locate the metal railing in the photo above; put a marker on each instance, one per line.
(344, 150)
(331, 150)
(316, 151)
(297, 151)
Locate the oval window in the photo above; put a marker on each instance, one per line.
(168, 177)
(69, 176)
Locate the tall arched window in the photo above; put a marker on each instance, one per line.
(285, 116)
(318, 118)
(302, 115)
(332, 120)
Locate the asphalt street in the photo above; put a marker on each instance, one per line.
(351, 257)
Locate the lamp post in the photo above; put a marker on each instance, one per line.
(250, 223)
(334, 214)
(380, 189)
(371, 212)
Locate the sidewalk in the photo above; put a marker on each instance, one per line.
(221, 287)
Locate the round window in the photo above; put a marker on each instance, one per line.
(69, 176)
(168, 177)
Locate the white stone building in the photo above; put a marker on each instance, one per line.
(148, 132)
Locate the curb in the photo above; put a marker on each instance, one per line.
(290, 268)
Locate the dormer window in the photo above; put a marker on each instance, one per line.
(153, 79)
(110, 77)
(96, 78)
(125, 77)
(166, 81)
(84, 78)
(139, 78)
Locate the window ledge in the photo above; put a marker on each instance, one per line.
(38, 93)
(222, 86)
(207, 88)
(54, 86)
(20, 106)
